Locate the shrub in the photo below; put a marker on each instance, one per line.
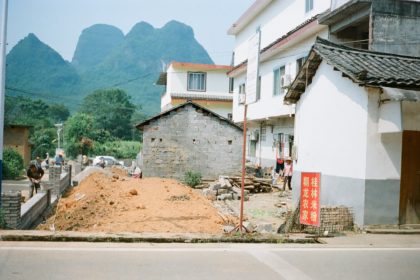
(12, 164)
(192, 178)
(118, 149)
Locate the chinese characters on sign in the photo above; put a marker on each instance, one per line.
(309, 198)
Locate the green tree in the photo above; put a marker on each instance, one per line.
(58, 112)
(111, 110)
(26, 111)
(78, 132)
(44, 141)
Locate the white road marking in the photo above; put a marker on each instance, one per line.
(279, 265)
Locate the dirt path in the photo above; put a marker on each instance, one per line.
(117, 203)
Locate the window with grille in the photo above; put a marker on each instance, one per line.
(196, 81)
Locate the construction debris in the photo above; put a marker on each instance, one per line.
(229, 187)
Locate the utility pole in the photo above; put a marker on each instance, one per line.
(2, 85)
(59, 127)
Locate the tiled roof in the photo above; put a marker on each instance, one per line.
(188, 103)
(202, 96)
(366, 68)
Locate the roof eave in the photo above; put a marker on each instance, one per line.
(248, 16)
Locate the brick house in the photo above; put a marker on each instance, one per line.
(190, 137)
(17, 137)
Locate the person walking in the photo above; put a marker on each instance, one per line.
(85, 162)
(35, 175)
(288, 172)
(47, 160)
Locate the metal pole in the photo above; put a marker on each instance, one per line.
(2, 85)
(241, 216)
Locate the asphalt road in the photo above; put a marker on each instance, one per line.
(25, 260)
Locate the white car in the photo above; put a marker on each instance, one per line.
(108, 161)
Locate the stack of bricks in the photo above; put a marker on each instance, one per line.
(10, 204)
(334, 219)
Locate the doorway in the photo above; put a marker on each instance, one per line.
(410, 178)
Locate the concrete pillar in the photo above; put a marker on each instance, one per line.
(55, 175)
(11, 209)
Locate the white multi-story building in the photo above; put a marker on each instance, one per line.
(287, 30)
(205, 84)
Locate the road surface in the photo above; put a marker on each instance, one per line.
(41, 260)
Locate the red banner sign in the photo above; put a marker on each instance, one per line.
(309, 198)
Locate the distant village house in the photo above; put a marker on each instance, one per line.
(189, 137)
(204, 84)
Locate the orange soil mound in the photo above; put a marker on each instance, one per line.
(116, 203)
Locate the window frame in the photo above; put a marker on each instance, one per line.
(309, 5)
(300, 62)
(280, 83)
(231, 84)
(241, 90)
(204, 74)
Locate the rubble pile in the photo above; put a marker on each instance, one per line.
(112, 202)
(229, 187)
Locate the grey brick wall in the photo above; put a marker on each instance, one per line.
(394, 27)
(191, 139)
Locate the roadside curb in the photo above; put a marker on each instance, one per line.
(48, 236)
(393, 231)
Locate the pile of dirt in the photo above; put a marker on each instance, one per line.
(116, 203)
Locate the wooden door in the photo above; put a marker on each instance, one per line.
(410, 178)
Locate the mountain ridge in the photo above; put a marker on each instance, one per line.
(104, 58)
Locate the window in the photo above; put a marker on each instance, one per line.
(252, 151)
(263, 133)
(309, 5)
(196, 81)
(299, 63)
(231, 84)
(241, 96)
(279, 76)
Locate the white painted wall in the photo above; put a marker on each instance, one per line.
(217, 83)
(331, 124)
(383, 150)
(270, 106)
(275, 21)
(336, 130)
(390, 117)
(165, 102)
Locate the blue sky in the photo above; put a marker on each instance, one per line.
(58, 23)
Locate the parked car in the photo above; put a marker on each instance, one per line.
(109, 160)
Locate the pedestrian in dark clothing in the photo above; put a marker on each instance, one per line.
(35, 175)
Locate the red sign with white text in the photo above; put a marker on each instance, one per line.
(309, 198)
